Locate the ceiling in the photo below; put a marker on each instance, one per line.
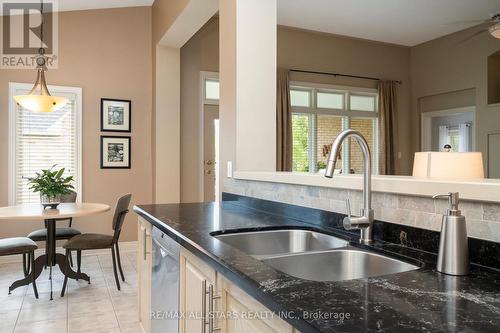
(69, 5)
(403, 22)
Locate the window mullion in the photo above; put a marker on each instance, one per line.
(313, 142)
(346, 148)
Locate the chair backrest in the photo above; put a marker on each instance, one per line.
(69, 197)
(121, 209)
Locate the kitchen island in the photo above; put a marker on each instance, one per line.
(412, 301)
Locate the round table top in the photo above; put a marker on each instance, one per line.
(30, 212)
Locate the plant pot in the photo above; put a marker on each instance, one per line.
(50, 201)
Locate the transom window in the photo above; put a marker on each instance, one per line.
(320, 113)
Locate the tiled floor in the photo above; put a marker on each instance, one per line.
(96, 307)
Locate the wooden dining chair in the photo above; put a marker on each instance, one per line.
(62, 233)
(100, 241)
(26, 247)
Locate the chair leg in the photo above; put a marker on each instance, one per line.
(46, 250)
(68, 253)
(114, 267)
(119, 262)
(79, 260)
(33, 276)
(25, 265)
(70, 258)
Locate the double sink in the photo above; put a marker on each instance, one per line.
(312, 255)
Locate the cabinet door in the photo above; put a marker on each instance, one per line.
(195, 280)
(247, 315)
(144, 262)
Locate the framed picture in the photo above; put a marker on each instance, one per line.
(115, 152)
(116, 115)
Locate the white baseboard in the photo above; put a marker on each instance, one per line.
(124, 247)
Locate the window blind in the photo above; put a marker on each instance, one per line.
(43, 140)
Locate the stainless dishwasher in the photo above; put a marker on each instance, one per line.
(165, 284)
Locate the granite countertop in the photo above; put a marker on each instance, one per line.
(414, 301)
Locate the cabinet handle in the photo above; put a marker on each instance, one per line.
(211, 321)
(144, 247)
(204, 306)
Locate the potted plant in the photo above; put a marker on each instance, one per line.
(51, 185)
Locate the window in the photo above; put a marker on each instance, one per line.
(320, 113)
(41, 140)
(210, 87)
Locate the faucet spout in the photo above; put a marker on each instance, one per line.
(364, 222)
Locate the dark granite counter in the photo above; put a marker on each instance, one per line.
(415, 301)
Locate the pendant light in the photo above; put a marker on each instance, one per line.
(39, 98)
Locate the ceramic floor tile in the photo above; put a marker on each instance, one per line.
(8, 320)
(94, 322)
(11, 302)
(47, 326)
(84, 305)
(42, 313)
(96, 307)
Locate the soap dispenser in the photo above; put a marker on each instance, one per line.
(453, 257)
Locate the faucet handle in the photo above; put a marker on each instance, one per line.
(348, 207)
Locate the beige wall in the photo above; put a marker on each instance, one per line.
(453, 69)
(108, 54)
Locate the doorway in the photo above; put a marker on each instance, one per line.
(454, 127)
(209, 110)
(210, 152)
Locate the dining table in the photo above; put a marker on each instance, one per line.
(36, 212)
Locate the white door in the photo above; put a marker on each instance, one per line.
(210, 152)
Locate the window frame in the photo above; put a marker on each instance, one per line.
(346, 115)
(204, 77)
(13, 88)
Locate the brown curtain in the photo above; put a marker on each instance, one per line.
(388, 126)
(283, 123)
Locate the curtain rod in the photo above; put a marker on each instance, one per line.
(339, 74)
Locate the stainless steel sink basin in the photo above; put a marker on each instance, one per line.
(273, 242)
(336, 265)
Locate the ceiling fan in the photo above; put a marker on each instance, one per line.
(493, 29)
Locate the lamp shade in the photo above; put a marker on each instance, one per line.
(448, 165)
(41, 103)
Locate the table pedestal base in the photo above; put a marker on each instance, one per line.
(40, 262)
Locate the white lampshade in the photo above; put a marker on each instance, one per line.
(450, 165)
(41, 103)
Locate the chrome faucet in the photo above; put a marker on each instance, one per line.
(365, 221)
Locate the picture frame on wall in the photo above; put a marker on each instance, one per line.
(115, 152)
(116, 115)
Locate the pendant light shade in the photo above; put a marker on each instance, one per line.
(39, 99)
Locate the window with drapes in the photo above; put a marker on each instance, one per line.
(42, 140)
(320, 113)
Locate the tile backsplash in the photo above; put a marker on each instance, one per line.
(483, 219)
